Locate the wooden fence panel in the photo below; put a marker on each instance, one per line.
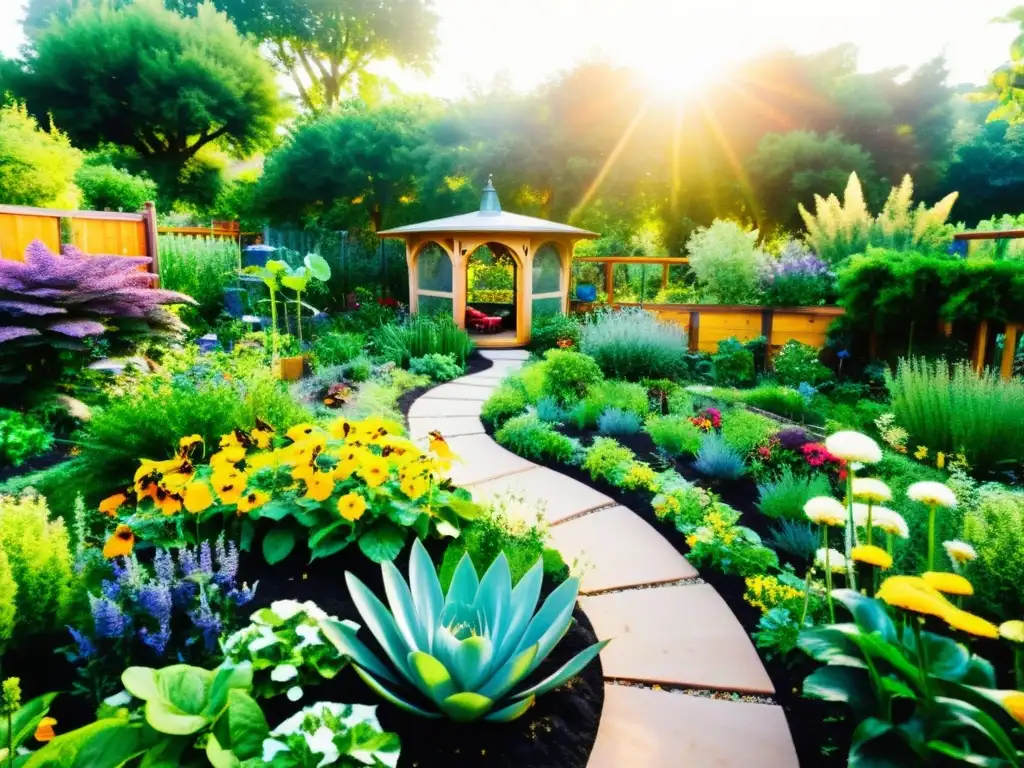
(804, 327)
(742, 324)
(17, 231)
(109, 236)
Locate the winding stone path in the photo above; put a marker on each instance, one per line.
(668, 627)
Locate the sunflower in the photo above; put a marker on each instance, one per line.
(351, 506)
(912, 593)
(111, 504)
(251, 501)
(948, 583)
(319, 486)
(229, 485)
(373, 470)
(198, 497)
(44, 731)
(872, 555)
(120, 543)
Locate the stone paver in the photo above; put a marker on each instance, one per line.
(433, 407)
(642, 727)
(615, 549)
(505, 354)
(680, 635)
(458, 391)
(481, 458)
(541, 488)
(449, 426)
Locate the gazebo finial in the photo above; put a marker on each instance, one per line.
(489, 201)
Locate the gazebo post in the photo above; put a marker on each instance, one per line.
(460, 262)
(410, 248)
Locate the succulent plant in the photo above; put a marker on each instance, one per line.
(464, 653)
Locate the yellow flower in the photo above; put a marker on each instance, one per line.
(375, 429)
(251, 501)
(971, 624)
(351, 506)
(373, 470)
(949, 583)
(186, 444)
(198, 497)
(111, 504)
(227, 458)
(44, 731)
(872, 555)
(691, 541)
(262, 460)
(921, 453)
(912, 593)
(342, 429)
(940, 460)
(230, 440)
(262, 434)
(959, 552)
(304, 472)
(229, 485)
(167, 502)
(415, 486)
(120, 543)
(1012, 630)
(320, 486)
(300, 431)
(1014, 704)
(439, 447)
(870, 489)
(825, 511)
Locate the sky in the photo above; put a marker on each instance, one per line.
(681, 43)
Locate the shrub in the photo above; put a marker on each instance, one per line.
(437, 367)
(782, 401)
(955, 409)
(505, 402)
(586, 413)
(615, 421)
(623, 395)
(21, 438)
(422, 335)
(796, 538)
(747, 431)
(675, 434)
(38, 552)
(200, 267)
(548, 410)
(106, 188)
(785, 497)
(37, 167)
(549, 330)
(727, 262)
(359, 369)
(336, 348)
(996, 528)
(531, 438)
(734, 364)
(797, 278)
(633, 344)
(8, 601)
(606, 460)
(568, 375)
(530, 381)
(719, 460)
(797, 363)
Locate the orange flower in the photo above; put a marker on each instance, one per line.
(319, 486)
(44, 731)
(439, 447)
(121, 543)
(1014, 704)
(167, 502)
(111, 504)
(251, 501)
(198, 497)
(351, 506)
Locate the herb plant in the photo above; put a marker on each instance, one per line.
(331, 734)
(633, 344)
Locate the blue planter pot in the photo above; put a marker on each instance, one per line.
(256, 255)
(586, 292)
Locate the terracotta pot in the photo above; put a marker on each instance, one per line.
(291, 368)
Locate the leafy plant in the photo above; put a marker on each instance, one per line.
(784, 498)
(782, 401)
(532, 438)
(422, 335)
(19, 722)
(284, 646)
(326, 733)
(314, 267)
(996, 526)
(107, 188)
(727, 547)
(719, 460)
(727, 262)
(606, 460)
(200, 267)
(37, 166)
(185, 707)
(466, 651)
(615, 421)
(437, 367)
(747, 431)
(797, 278)
(733, 363)
(550, 330)
(795, 538)
(549, 411)
(681, 502)
(676, 434)
(330, 349)
(505, 402)
(797, 363)
(568, 375)
(633, 344)
(606, 394)
(778, 632)
(21, 438)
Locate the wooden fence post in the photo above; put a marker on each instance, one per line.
(1009, 350)
(152, 242)
(609, 281)
(767, 318)
(980, 347)
(694, 336)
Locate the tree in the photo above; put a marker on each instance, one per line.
(107, 188)
(1006, 86)
(148, 79)
(790, 168)
(37, 167)
(988, 170)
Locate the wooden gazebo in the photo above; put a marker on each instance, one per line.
(438, 253)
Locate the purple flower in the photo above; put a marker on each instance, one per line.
(187, 561)
(163, 564)
(792, 439)
(108, 621)
(183, 593)
(85, 650)
(207, 622)
(110, 589)
(242, 595)
(155, 599)
(227, 563)
(156, 640)
(206, 559)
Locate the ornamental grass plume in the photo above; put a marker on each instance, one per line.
(933, 495)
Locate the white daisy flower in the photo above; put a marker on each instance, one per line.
(871, 490)
(853, 447)
(933, 494)
(825, 510)
(836, 560)
(959, 552)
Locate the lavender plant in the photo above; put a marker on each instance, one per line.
(798, 278)
(174, 611)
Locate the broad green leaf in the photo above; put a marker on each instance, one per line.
(225, 678)
(466, 706)
(331, 547)
(430, 676)
(166, 718)
(242, 727)
(377, 687)
(972, 717)
(876, 745)
(220, 757)
(275, 509)
(141, 682)
(467, 510)
(25, 721)
(383, 541)
(511, 712)
(947, 659)
(278, 544)
(574, 666)
(831, 645)
(248, 533)
(318, 267)
(107, 743)
(342, 526)
(869, 614)
(167, 753)
(471, 661)
(846, 684)
(402, 607)
(524, 602)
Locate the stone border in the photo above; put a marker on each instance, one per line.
(668, 627)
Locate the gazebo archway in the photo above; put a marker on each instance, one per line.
(493, 270)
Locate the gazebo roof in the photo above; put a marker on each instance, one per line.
(490, 218)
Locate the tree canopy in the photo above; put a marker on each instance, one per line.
(37, 167)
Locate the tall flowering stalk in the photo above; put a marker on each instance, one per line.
(826, 512)
(933, 495)
(856, 450)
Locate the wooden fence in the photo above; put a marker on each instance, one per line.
(93, 232)
(708, 324)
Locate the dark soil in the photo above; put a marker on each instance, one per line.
(474, 364)
(820, 732)
(557, 732)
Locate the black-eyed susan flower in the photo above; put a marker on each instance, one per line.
(414, 485)
(373, 470)
(111, 504)
(252, 500)
(229, 486)
(948, 583)
(872, 555)
(198, 497)
(319, 486)
(120, 543)
(44, 731)
(351, 506)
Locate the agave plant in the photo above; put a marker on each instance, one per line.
(466, 652)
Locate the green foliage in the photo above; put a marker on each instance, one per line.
(1004, 86)
(422, 335)
(615, 421)
(747, 431)
(782, 401)
(784, 498)
(479, 666)
(532, 438)
(914, 696)
(727, 262)
(354, 732)
(569, 375)
(606, 460)
(437, 367)
(38, 553)
(796, 538)
(21, 438)
(114, 74)
(675, 434)
(201, 267)
(548, 330)
(24, 718)
(504, 403)
(332, 348)
(996, 528)
(900, 472)
(797, 362)
(721, 544)
(8, 602)
(777, 633)
(734, 363)
(633, 344)
(622, 395)
(719, 460)
(37, 167)
(681, 502)
(548, 410)
(106, 188)
(956, 410)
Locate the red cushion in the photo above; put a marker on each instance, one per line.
(475, 314)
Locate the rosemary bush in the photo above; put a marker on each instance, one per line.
(633, 344)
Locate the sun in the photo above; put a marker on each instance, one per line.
(675, 74)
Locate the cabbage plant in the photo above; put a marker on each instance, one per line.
(470, 652)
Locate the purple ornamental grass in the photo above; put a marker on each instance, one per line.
(155, 600)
